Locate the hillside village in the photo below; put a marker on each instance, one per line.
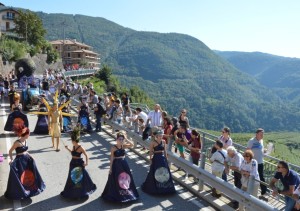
(72, 54)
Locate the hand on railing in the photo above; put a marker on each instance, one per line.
(297, 205)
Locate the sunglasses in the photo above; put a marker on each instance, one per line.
(279, 167)
(121, 138)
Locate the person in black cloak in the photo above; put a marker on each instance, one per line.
(16, 119)
(120, 186)
(24, 179)
(159, 179)
(79, 184)
(42, 126)
(84, 117)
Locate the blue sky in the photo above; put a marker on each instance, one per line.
(270, 26)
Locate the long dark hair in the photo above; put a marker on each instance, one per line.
(197, 134)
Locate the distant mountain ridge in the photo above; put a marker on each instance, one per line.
(179, 71)
(271, 70)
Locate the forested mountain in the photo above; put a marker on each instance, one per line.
(281, 74)
(272, 71)
(179, 71)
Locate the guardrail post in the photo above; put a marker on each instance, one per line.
(251, 184)
(202, 166)
(134, 143)
(202, 162)
(170, 144)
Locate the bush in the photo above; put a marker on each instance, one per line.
(11, 50)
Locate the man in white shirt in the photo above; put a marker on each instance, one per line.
(217, 166)
(233, 162)
(296, 195)
(141, 114)
(154, 117)
(256, 144)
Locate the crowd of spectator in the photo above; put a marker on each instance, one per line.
(225, 158)
(70, 67)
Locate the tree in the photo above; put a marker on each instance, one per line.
(105, 74)
(30, 26)
(52, 55)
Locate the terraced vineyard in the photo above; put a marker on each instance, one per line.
(286, 144)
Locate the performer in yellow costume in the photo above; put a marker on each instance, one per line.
(55, 119)
(55, 126)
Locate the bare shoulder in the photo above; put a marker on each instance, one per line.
(113, 148)
(81, 148)
(152, 143)
(16, 144)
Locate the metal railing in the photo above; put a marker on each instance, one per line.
(73, 73)
(270, 162)
(144, 107)
(245, 199)
(8, 17)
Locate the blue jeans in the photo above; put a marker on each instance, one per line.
(224, 176)
(98, 122)
(289, 203)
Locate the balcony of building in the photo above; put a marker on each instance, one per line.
(8, 17)
(9, 32)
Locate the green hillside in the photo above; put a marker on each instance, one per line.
(272, 71)
(281, 74)
(179, 71)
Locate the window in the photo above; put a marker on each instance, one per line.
(79, 55)
(10, 15)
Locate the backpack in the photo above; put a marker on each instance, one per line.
(100, 110)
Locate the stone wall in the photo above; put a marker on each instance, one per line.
(39, 60)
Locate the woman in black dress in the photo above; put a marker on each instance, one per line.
(42, 126)
(120, 186)
(24, 179)
(183, 119)
(79, 184)
(84, 117)
(159, 179)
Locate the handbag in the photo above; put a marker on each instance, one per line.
(245, 181)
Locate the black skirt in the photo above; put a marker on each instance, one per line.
(120, 186)
(41, 126)
(159, 179)
(79, 184)
(24, 179)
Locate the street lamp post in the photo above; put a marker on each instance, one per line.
(33, 22)
(63, 24)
